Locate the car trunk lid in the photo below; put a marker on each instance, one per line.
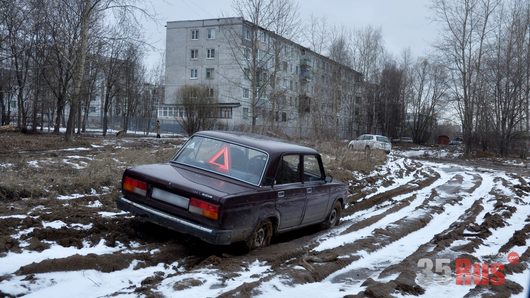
(187, 182)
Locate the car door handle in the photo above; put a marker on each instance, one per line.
(309, 190)
(281, 194)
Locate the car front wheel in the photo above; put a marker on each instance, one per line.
(333, 218)
(261, 236)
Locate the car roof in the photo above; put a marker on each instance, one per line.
(270, 145)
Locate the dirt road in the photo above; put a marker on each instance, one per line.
(62, 237)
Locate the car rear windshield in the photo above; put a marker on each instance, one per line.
(228, 159)
(383, 139)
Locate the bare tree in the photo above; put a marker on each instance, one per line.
(5, 74)
(389, 100)
(368, 58)
(134, 84)
(506, 67)
(112, 70)
(466, 30)
(316, 34)
(256, 50)
(341, 103)
(429, 84)
(20, 44)
(285, 24)
(200, 109)
(368, 52)
(58, 61)
(86, 11)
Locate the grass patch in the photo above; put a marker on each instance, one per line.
(340, 162)
(35, 166)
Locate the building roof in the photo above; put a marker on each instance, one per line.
(240, 20)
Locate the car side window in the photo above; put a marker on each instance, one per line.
(288, 170)
(312, 170)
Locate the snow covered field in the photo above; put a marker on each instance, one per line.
(79, 245)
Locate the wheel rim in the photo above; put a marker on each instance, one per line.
(333, 217)
(260, 237)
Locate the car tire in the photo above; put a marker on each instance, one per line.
(333, 217)
(261, 236)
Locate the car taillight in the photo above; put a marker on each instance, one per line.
(204, 208)
(133, 185)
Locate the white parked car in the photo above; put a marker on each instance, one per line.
(368, 142)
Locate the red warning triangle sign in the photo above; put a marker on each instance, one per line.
(221, 159)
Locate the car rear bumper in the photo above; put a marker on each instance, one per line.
(213, 236)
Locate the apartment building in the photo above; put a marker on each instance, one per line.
(259, 79)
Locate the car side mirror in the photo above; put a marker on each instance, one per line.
(328, 179)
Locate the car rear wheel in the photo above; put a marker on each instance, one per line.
(261, 236)
(333, 218)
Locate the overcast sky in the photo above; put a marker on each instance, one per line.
(404, 23)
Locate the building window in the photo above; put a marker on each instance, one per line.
(225, 113)
(211, 33)
(211, 92)
(284, 117)
(209, 73)
(246, 53)
(195, 34)
(194, 54)
(246, 93)
(92, 109)
(180, 112)
(263, 36)
(246, 72)
(210, 53)
(245, 113)
(247, 33)
(193, 73)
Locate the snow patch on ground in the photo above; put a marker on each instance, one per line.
(213, 283)
(95, 204)
(13, 261)
(56, 224)
(71, 197)
(18, 216)
(86, 283)
(33, 163)
(111, 214)
(76, 149)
